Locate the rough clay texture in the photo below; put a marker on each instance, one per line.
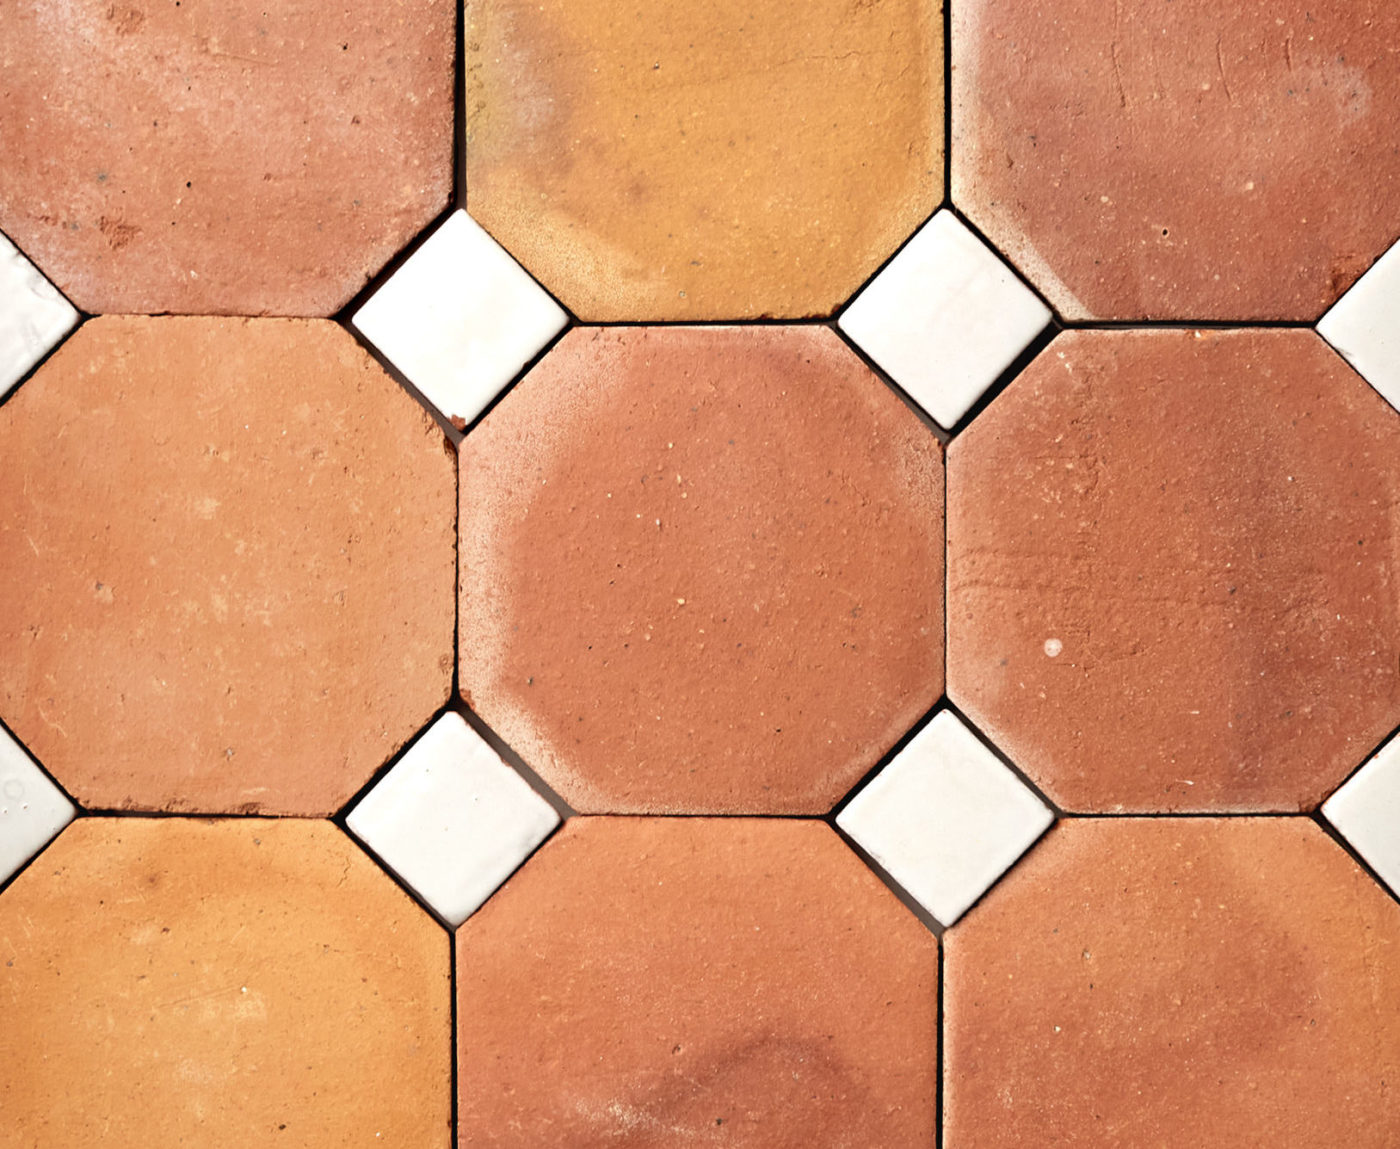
(702, 570)
(1175, 981)
(172, 982)
(1172, 563)
(226, 565)
(725, 160)
(231, 158)
(656, 982)
(1180, 158)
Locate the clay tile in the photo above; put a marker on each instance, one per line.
(1177, 158)
(1200, 981)
(649, 981)
(226, 565)
(244, 982)
(232, 158)
(705, 161)
(1170, 578)
(701, 569)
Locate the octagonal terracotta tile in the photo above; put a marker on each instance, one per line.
(708, 161)
(226, 565)
(701, 569)
(235, 158)
(651, 981)
(1193, 981)
(1172, 568)
(1180, 158)
(173, 982)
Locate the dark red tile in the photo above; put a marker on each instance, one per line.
(654, 982)
(702, 569)
(1175, 981)
(1171, 570)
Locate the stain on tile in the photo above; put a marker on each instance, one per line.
(226, 565)
(717, 161)
(1171, 568)
(1177, 159)
(236, 158)
(1228, 981)
(170, 982)
(647, 982)
(701, 569)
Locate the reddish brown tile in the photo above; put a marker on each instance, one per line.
(702, 569)
(236, 158)
(704, 161)
(1175, 981)
(1176, 158)
(171, 982)
(652, 982)
(1171, 570)
(226, 565)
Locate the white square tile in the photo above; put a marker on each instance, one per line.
(460, 318)
(32, 809)
(34, 316)
(451, 819)
(945, 819)
(1364, 325)
(945, 318)
(1366, 812)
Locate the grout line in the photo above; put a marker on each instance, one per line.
(453, 1075)
(18, 385)
(1029, 354)
(515, 761)
(6, 883)
(515, 382)
(340, 817)
(1340, 839)
(948, 102)
(968, 223)
(380, 864)
(1355, 770)
(44, 770)
(914, 406)
(387, 365)
(939, 1058)
(910, 903)
(459, 123)
(1005, 759)
(885, 759)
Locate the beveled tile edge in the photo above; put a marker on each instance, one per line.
(1365, 811)
(32, 809)
(460, 318)
(945, 318)
(1364, 326)
(946, 739)
(34, 315)
(456, 863)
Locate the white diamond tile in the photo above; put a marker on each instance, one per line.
(451, 819)
(32, 809)
(1366, 812)
(1364, 325)
(34, 316)
(460, 318)
(945, 318)
(945, 818)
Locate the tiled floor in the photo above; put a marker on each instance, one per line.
(481, 552)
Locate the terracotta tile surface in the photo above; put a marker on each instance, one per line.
(236, 158)
(649, 982)
(706, 161)
(1175, 981)
(1171, 570)
(226, 565)
(701, 569)
(172, 982)
(1179, 158)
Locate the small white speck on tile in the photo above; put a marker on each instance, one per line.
(1053, 647)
